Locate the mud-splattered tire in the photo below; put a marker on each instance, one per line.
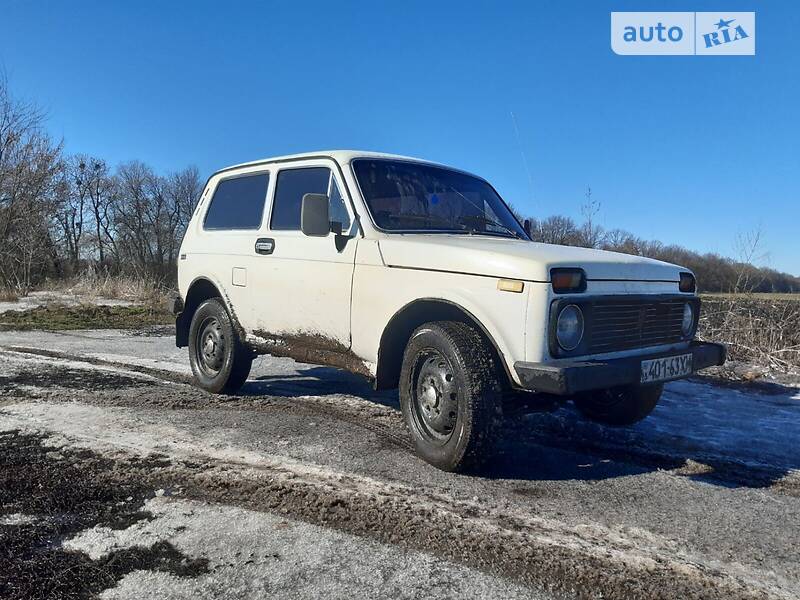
(450, 395)
(220, 362)
(619, 406)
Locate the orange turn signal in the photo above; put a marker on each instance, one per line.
(687, 283)
(568, 280)
(510, 285)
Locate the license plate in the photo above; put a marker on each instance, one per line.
(663, 369)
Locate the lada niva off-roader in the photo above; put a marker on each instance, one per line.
(419, 277)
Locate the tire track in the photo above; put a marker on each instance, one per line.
(584, 560)
(366, 414)
(297, 405)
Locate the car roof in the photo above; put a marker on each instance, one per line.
(340, 156)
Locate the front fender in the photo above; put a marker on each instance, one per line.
(200, 289)
(380, 293)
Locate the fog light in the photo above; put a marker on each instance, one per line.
(688, 320)
(569, 327)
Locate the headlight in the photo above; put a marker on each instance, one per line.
(569, 327)
(688, 320)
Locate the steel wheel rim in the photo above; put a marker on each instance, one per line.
(210, 347)
(434, 395)
(609, 398)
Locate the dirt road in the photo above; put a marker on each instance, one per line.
(305, 487)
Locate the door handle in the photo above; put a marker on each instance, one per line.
(265, 246)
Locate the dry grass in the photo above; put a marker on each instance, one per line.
(751, 296)
(57, 317)
(91, 284)
(762, 329)
(8, 295)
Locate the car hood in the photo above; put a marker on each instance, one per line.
(517, 259)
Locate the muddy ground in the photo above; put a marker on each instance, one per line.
(118, 479)
(58, 317)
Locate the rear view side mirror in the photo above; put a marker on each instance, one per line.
(314, 217)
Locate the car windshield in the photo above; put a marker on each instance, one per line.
(407, 196)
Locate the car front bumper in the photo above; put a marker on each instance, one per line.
(567, 376)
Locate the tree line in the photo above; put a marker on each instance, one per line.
(715, 273)
(61, 213)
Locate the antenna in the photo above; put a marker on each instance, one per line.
(522, 153)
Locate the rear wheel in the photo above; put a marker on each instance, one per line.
(619, 406)
(450, 395)
(220, 362)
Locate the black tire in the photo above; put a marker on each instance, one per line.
(451, 396)
(220, 362)
(620, 406)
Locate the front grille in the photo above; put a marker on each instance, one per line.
(622, 325)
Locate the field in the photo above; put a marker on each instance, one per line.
(759, 296)
(760, 329)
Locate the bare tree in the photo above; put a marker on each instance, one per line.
(73, 191)
(183, 188)
(619, 240)
(591, 233)
(130, 216)
(29, 163)
(101, 187)
(556, 230)
(748, 252)
(151, 214)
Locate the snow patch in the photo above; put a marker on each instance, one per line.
(17, 519)
(254, 555)
(37, 299)
(19, 360)
(736, 424)
(177, 364)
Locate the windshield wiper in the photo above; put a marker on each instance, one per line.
(432, 219)
(484, 219)
(487, 221)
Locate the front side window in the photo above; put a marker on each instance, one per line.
(338, 211)
(238, 203)
(408, 196)
(291, 186)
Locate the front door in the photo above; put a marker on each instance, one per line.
(303, 288)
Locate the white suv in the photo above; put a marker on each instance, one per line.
(419, 277)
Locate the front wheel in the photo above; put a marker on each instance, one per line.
(450, 395)
(220, 362)
(619, 406)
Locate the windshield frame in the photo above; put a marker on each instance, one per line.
(432, 231)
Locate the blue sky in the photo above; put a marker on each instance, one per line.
(690, 150)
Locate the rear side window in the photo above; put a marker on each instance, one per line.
(238, 203)
(292, 185)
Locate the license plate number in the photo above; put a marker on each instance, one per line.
(663, 369)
